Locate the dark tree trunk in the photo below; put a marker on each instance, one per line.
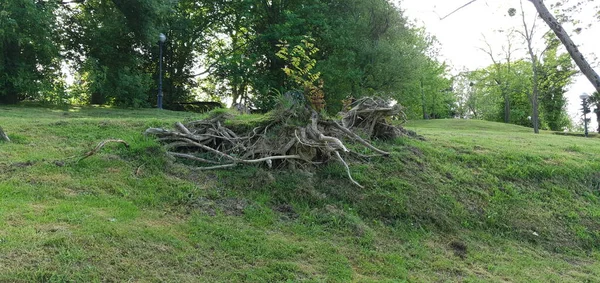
(98, 98)
(598, 120)
(10, 95)
(506, 109)
(506, 95)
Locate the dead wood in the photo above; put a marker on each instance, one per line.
(3, 136)
(293, 135)
(100, 146)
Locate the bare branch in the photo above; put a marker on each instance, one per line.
(460, 8)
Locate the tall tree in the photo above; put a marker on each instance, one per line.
(187, 27)
(564, 37)
(595, 100)
(485, 95)
(528, 35)
(110, 41)
(556, 73)
(30, 62)
(366, 48)
(502, 76)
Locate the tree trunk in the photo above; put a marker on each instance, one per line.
(506, 109)
(598, 119)
(536, 115)
(583, 65)
(97, 98)
(535, 93)
(506, 96)
(528, 34)
(12, 51)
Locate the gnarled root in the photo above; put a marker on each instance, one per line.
(209, 144)
(100, 146)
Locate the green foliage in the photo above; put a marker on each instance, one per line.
(300, 62)
(482, 92)
(595, 103)
(365, 48)
(482, 95)
(370, 49)
(300, 71)
(30, 59)
(432, 92)
(556, 73)
(109, 41)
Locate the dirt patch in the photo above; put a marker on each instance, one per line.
(51, 228)
(416, 151)
(59, 123)
(228, 206)
(459, 248)
(23, 164)
(286, 212)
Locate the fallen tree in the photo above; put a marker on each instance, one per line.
(292, 135)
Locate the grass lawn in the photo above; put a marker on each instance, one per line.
(475, 202)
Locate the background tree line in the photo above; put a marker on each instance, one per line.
(221, 49)
(226, 50)
(501, 92)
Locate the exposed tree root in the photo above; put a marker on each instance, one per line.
(100, 146)
(293, 135)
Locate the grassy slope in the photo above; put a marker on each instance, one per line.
(526, 207)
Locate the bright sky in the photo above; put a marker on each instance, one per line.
(461, 35)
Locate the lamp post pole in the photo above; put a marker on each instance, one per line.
(586, 109)
(161, 41)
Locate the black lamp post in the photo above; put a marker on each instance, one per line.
(585, 103)
(161, 41)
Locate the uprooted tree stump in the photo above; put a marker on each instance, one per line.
(292, 135)
(3, 136)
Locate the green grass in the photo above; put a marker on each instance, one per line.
(525, 206)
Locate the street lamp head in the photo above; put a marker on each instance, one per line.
(584, 96)
(162, 37)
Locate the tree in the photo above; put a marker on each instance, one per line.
(485, 96)
(500, 74)
(29, 66)
(595, 101)
(556, 73)
(187, 28)
(528, 35)
(370, 49)
(564, 37)
(366, 48)
(110, 42)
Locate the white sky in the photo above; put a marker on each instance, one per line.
(461, 35)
